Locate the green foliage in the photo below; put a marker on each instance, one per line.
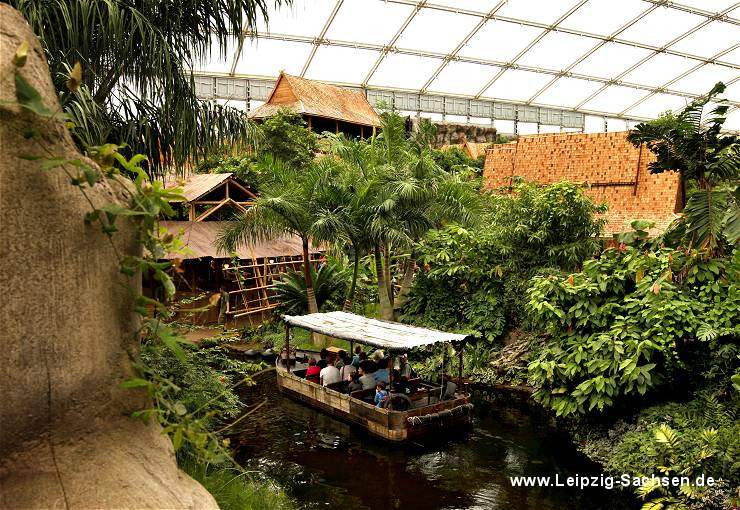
(701, 436)
(135, 87)
(330, 285)
(244, 168)
(475, 278)
(234, 490)
(285, 136)
(627, 322)
(693, 143)
(455, 160)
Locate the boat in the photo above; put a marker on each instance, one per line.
(428, 409)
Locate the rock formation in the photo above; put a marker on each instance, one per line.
(67, 329)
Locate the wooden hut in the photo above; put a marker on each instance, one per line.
(325, 107)
(245, 277)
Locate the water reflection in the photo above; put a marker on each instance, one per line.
(324, 463)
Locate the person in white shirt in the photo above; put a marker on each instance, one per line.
(329, 375)
(345, 373)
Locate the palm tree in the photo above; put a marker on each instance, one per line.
(286, 206)
(693, 144)
(135, 85)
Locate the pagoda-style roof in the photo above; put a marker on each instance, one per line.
(318, 99)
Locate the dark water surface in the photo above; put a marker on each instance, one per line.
(324, 463)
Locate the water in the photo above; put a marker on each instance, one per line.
(324, 463)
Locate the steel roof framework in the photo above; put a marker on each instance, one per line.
(723, 59)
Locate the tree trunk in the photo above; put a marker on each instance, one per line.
(313, 307)
(406, 281)
(353, 286)
(387, 273)
(386, 310)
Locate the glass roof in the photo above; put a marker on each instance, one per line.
(630, 59)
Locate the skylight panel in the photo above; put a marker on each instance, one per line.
(704, 78)
(462, 78)
(536, 10)
(527, 128)
(659, 69)
(657, 104)
(436, 31)
(613, 125)
(615, 99)
(267, 57)
(710, 40)
(340, 64)
(710, 6)
(611, 59)
(733, 57)
(733, 121)
(557, 50)
(517, 85)
(303, 17)
(500, 41)
(468, 5)
(219, 59)
(368, 22)
(604, 17)
(394, 71)
(661, 26)
(567, 92)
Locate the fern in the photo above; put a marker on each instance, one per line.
(667, 436)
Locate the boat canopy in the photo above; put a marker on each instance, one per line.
(392, 336)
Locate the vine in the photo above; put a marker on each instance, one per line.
(149, 200)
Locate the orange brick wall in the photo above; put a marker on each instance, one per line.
(594, 159)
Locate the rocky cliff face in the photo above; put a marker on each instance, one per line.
(67, 327)
(451, 133)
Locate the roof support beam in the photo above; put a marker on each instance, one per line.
(392, 43)
(593, 50)
(617, 79)
(502, 65)
(677, 78)
(321, 36)
(531, 45)
(462, 44)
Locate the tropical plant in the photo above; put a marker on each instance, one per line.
(692, 143)
(628, 322)
(129, 60)
(330, 285)
(286, 206)
(285, 136)
(475, 278)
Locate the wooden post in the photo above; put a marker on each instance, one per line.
(287, 347)
(444, 363)
(336, 126)
(460, 368)
(390, 379)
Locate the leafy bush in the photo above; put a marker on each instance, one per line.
(628, 321)
(700, 436)
(285, 136)
(233, 491)
(475, 279)
(243, 167)
(330, 286)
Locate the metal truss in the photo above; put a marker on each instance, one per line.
(500, 67)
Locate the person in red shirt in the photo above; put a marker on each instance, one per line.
(312, 374)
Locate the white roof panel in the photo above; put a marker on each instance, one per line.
(368, 43)
(392, 336)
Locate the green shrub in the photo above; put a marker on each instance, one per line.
(474, 279)
(330, 283)
(233, 490)
(630, 320)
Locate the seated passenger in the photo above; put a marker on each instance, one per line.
(329, 375)
(449, 388)
(354, 382)
(324, 354)
(366, 378)
(313, 371)
(341, 360)
(381, 395)
(377, 355)
(381, 374)
(346, 371)
(356, 358)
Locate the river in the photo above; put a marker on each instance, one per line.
(324, 463)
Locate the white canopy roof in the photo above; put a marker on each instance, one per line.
(387, 335)
(626, 59)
